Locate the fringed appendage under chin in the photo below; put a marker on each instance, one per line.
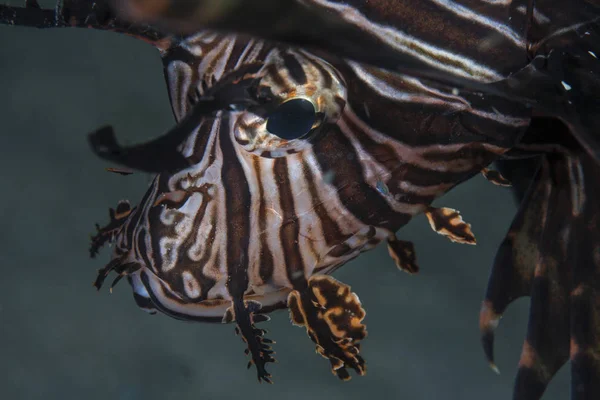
(552, 253)
(108, 233)
(246, 314)
(332, 316)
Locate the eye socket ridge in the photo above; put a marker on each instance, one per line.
(292, 119)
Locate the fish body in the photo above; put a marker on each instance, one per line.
(247, 215)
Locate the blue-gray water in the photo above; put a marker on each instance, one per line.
(60, 339)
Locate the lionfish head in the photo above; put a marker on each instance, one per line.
(298, 171)
(272, 188)
(302, 167)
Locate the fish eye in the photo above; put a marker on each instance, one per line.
(292, 119)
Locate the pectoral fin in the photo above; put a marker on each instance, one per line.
(448, 222)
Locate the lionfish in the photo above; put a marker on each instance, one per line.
(289, 161)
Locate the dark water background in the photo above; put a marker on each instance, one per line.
(60, 339)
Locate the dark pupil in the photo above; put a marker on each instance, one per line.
(292, 119)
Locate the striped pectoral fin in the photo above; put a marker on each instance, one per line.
(552, 254)
(332, 315)
(495, 177)
(585, 309)
(449, 222)
(585, 339)
(585, 293)
(118, 216)
(546, 347)
(246, 314)
(403, 254)
(514, 266)
(559, 250)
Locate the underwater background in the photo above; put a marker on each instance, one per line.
(60, 339)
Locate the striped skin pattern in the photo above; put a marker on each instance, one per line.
(256, 222)
(262, 218)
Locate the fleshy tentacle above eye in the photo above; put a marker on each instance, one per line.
(108, 234)
(163, 154)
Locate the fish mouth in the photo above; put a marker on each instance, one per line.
(152, 294)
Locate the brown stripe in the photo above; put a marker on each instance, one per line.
(336, 155)
(183, 260)
(437, 26)
(266, 256)
(201, 143)
(143, 252)
(418, 124)
(237, 210)
(273, 73)
(206, 283)
(290, 228)
(385, 155)
(136, 215)
(326, 75)
(294, 68)
(331, 230)
(239, 45)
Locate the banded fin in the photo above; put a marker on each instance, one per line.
(403, 254)
(552, 253)
(584, 296)
(495, 177)
(108, 233)
(512, 273)
(546, 347)
(449, 222)
(332, 315)
(246, 314)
